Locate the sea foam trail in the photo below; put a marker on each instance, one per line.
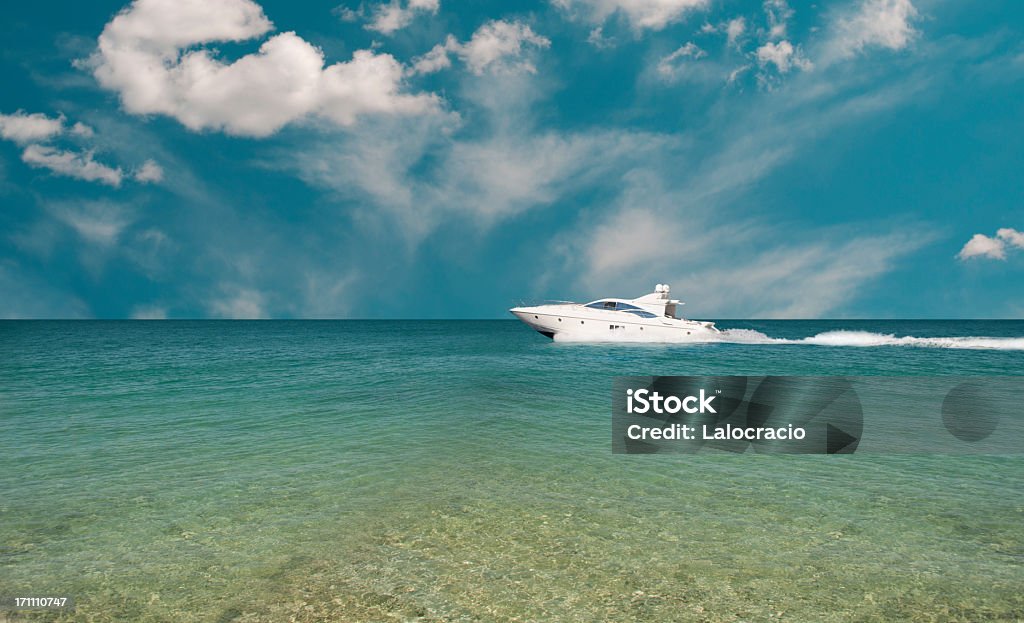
(865, 338)
(828, 338)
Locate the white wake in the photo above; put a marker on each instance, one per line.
(867, 338)
(828, 338)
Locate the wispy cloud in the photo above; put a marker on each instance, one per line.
(97, 222)
(23, 295)
(80, 164)
(573, 160)
(82, 130)
(741, 267)
(783, 55)
(778, 13)
(497, 45)
(690, 224)
(801, 279)
(672, 64)
(326, 295)
(238, 303)
(734, 30)
(394, 15)
(38, 133)
(479, 178)
(641, 14)
(150, 171)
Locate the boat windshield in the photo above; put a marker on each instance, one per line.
(613, 305)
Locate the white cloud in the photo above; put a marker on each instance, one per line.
(735, 29)
(239, 304)
(597, 39)
(22, 127)
(736, 73)
(497, 45)
(149, 172)
(78, 165)
(391, 17)
(437, 58)
(148, 54)
(981, 245)
(641, 14)
(779, 14)
(783, 55)
(347, 14)
(82, 130)
(671, 64)
(883, 23)
(498, 40)
(38, 130)
(994, 248)
(170, 25)
(1012, 237)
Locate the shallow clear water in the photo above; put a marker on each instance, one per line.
(419, 470)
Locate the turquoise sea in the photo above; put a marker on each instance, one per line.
(462, 471)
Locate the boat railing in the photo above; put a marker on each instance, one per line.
(536, 302)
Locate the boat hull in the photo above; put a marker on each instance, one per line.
(576, 323)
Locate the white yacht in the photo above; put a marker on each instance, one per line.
(650, 318)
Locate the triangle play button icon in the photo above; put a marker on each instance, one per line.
(837, 439)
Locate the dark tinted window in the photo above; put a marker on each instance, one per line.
(615, 305)
(641, 313)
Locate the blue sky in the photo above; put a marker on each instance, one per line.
(434, 159)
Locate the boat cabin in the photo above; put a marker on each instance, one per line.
(650, 305)
(630, 308)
